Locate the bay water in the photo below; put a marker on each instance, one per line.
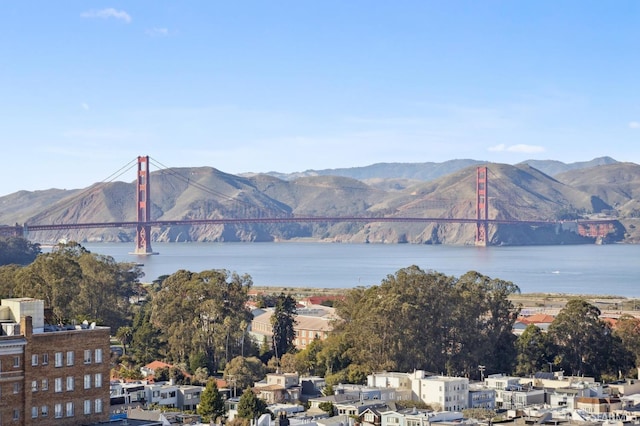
(568, 269)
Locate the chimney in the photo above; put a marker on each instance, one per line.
(26, 326)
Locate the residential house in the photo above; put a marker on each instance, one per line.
(602, 405)
(481, 396)
(279, 388)
(449, 393)
(511, 394)
(189, 397)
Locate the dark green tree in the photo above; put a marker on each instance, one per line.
(283, 322)
(250, 406)
(628, 330)
(582, 340)
(17, 251)
(328, 407)
(462, 322)
(146, 340)
(534, 351)
(211, 406)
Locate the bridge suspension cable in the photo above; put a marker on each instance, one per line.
(66, 203)
(202, 187)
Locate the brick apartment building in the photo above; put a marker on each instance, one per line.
(51, 375)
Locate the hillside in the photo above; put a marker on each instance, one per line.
(518, 192)
(403, 173)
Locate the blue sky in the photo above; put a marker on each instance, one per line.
(257, 86)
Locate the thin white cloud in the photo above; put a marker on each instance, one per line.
(107, 14)
(157, 32)
(85, 106)
(519, 148)
(634, 125)
(498, 148)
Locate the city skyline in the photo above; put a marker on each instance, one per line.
(290, 86)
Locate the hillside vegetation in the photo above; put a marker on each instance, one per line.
(516, 192)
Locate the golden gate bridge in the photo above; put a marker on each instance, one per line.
(598, 228)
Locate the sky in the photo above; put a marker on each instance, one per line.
(255, 86)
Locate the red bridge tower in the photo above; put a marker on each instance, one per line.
(143, 205)
(482, 206)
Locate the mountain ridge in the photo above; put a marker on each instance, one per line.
(517, 192)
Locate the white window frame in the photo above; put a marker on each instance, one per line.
(87, 406)
(58, 361)
(69, 409)
(57, 384)
(97, 406)
(34, 359)
(87, 356)
(58, 411)
(97, 380)
(70, 383)
(70, 358)
(98, 356)
(87, 381)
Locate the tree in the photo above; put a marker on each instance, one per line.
(628, 330)
(582, 339)
(328, 407)
(211, 406)
(283, 322)
(250, 406)
(17, 251)
(533, 351)
(244, 372)
(464, 322)
(207, 311)
(76, 284)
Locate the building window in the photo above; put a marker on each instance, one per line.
(16, 414)
(45, 359)
(97, 380)
(87, 381)
(34, 386)
(58, 361)
(34, 359)
(58, 385)
(70, 383)
(69, 358)
(98, 356)
(97, 406)
(45, 384)
(16, 361)
(44, 411)
(69, 409)
(58, 411)
(16, 388)
(34, 412)
(87, 356)
(87, 406)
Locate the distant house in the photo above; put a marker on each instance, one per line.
(311, 323)
(599, 405)
(279, 388)
(540, 320)
(149, 370)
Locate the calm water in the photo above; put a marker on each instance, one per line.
(581, 269)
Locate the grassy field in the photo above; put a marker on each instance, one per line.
(534, 301)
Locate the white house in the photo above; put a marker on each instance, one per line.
(449, 393)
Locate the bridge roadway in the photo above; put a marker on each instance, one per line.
(304, 219)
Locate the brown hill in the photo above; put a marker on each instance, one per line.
(515, 192)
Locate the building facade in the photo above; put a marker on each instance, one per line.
(51, 375)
